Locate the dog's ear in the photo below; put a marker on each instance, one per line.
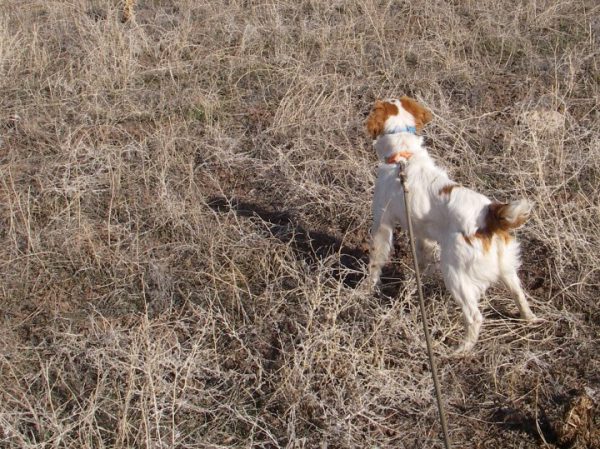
(420, 113)
(379, 114)
(376, 119)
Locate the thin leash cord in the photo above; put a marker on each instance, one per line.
(434, 374)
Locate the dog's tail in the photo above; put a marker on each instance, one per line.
(507, 216)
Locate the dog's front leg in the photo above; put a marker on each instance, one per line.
(381, 245)
(426, 253)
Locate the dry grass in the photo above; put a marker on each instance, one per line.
(184, 203)
(128, 10)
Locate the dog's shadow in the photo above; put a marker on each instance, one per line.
(311, 246)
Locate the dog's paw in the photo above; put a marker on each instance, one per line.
(532, 319)
(431, 269)
(368, 286)
(464, 349)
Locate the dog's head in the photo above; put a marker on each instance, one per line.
(388, 115)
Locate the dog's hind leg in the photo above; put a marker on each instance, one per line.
(467, 297)
(465, 291)
(469, 303)
(509, 264)
(512, 282)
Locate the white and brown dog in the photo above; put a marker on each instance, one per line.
(472, 231)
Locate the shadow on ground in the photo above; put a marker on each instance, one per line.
(311, 246)
(539, 427)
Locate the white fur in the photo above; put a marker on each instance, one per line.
(518, 209)
(403, 118)
(468, 270)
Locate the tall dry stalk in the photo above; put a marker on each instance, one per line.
(128, 10)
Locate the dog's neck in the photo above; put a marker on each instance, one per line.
(401, 129)
(391, 148)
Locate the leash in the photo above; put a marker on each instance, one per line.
(434, 374)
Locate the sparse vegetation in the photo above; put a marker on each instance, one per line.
(185, 202)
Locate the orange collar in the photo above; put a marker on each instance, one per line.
(396, 157)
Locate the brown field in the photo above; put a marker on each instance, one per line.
(184, 212)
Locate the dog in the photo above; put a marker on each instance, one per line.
(473, 233)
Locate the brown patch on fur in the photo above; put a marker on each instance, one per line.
(422, 116)
(447, 190)
(495, 225)
(380, 113)
(495, 219)
(397, 157)
(484, 237)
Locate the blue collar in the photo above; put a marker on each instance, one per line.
(402, 129)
